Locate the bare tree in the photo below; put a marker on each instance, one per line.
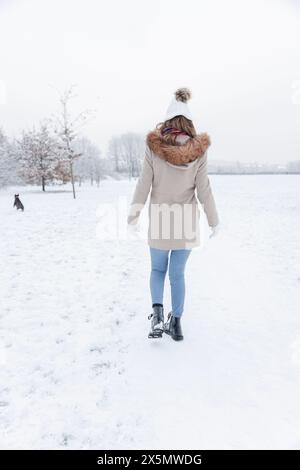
(115, 153)
(134, 148)
(81, 169)
(89, 164)
(127, 151)
(67, 130)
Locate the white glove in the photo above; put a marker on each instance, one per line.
(133, 230)
(214, 230)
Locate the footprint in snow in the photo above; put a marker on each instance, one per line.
(99, 367)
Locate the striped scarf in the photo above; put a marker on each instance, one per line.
(173, 130)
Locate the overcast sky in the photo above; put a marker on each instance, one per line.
(240, 58)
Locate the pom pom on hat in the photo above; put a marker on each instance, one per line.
(178, 105)
(183, 94)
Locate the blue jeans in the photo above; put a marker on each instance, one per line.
(159, 267)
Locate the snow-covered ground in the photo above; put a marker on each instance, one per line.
(77, 369)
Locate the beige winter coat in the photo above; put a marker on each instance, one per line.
(175, 174)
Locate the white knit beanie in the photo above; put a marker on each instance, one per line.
(178, 105)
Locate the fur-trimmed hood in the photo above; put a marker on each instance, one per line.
(178, 154)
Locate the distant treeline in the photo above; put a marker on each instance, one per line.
(56, 153)
(238, 168)
(42, 157)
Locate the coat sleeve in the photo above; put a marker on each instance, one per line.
(142, 189)
(204, 193)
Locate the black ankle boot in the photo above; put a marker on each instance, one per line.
(157, 322)
(173, 327)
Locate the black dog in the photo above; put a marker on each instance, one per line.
(18, 204)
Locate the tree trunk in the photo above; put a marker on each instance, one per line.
(72, 179)
(43, 183)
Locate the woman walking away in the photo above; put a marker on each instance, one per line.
(175, 169)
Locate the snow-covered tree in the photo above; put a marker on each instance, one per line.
(39, 156)
(3, 159)
(8, 161)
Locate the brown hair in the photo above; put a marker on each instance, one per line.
(179, 122)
